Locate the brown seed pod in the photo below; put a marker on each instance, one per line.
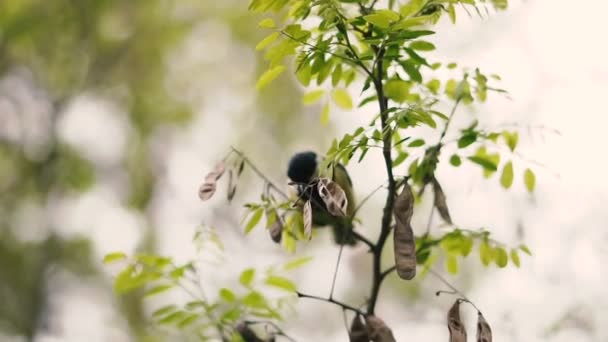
(232, 183)
(484, 332)
(217, 172)
(333, 196)
(307, 217)
(457, 330)
(403, 236)
(440, 202)
(358, 331)
(276, 230)
(378, 330)
(206, 190)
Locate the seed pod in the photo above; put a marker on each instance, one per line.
(217, 172)
(457, 331)
(307, 217)
(440, 202)
(276, 230)
(333, 196)
(378, 330)
(232, 182)
(403, 236)
(358, 330)
(206, 190)
(484, 332)
(247, 334)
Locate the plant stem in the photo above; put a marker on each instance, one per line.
(392, 189)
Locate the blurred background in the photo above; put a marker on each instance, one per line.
(111, 113)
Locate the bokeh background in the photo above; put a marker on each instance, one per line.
(112, 111)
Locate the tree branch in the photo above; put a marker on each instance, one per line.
(259, 173)
(332, 301)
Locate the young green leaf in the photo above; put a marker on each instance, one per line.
(529, 180)
(511, 138)
(312, 96)
(157, 289)
(254, 220)
(506, 180)
(397, 90)
(227, 295)
(502, 259)
(422, 45)
(297, 263)
(451, 264)
(525, 249)
(269, 76)
(281, 283)
(467, 139)
(455, 160)
(246, 277)
(515, 257)
(113, 257)
(267, 23)
(267, 41)
(342, 98)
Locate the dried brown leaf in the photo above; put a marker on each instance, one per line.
(307, 216)
(358, 331)
(484, 332)
(206, 190)
(403, 237)
(333, 196)
(378, 330)
(457, 330)
(441, 202)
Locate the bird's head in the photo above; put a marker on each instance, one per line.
(302, 167)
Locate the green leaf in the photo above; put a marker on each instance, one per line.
(483, 162)
(113, 257)
(452, 13)
(485, 253)
(525, 249)
(227, 295)
(434, 86)
(157, 289)
(267, 23)
(400, 159)
(507, 175)
(269, 76)
(422, 45)
(281, 283)
(377, 20)
(312, 96)
(342, 98)
(529, 180)
(451, 264)
(164, 310)
(297, 263)
(467, 139)
(246, 277)
(502, 259)
(267, 41)
(416, 143)
(191, 318)
(455, 160)
(511, 139)
(325, 115)
(452, 66)
(255, 300)
(397, 90)
(336, 75)
(254, 220)
(412, 71)
(515, 257)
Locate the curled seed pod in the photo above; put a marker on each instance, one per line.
(216, 173)
(307, 216)
(441, 202)
(378, 330)
(232, 182)
(457, 330)
(403, 236)
(206, 190)
(484, 332)
(358, 331)
(241, 167)
(276, 230)
(333, 196)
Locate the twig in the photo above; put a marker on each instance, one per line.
(452, 287)
(365, 199)
(430, 221)
(333, 282)
(259, 173)
(331, 300)
(364, 240)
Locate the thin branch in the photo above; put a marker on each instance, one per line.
(388, 271)
(277, 329)
(333, 282)
(332, 301)
(430, 221)
(365, 199)
(259, 173)
(319, 50)
(363, 239)
(452, 287)
(447, 124)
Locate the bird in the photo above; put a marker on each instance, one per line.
(303, 171)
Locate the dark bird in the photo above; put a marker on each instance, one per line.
(303, 172)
